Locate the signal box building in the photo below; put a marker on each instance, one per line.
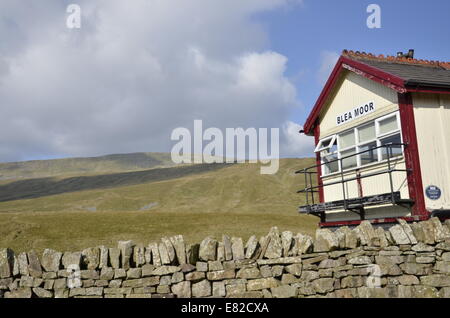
(382, 134)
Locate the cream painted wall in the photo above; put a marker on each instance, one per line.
(353, 91)
(432, 118)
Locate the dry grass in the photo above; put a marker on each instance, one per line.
(234, 200)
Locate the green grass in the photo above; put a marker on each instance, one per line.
(195, 201)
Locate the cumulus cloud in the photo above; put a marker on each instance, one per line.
(134, 72)
(296, 144)
(328, 60)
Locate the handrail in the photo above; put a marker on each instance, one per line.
(310, 188)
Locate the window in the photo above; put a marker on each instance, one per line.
(366, 140)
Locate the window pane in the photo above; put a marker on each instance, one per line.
(367, 133)
(395, 150)
(370, 155)
(330, 167)
(350, 162)
(347, 139)
(388, 125)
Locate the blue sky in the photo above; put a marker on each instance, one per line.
(136, 70)
(303, 32)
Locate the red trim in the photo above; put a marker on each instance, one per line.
(344, 63)
(428, 90)
(318, 162)
(374, 221)
(412, 154)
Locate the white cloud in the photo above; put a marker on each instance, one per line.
(328, 60)
(296, 144)
(132, 73)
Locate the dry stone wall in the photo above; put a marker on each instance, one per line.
(408, 260)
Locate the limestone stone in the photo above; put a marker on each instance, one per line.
(416, 269)
(186, 268)
(286, 242)
(422, 247)
(418, 232)
(166, 270)
(399, 235)
(71, 260)
(148, 255)
(437, 280)
(408, 231)
(156, 259)
(428, 232)
(218, 289)
(34, 265)
(274, 248)
(305, 244)
(323, 285)
(120, 273)
(147, 270)
(42, 293)
(366, 234)
(60, 283)
(195, 276)
(180, 249)
(249, 273)
(287, 279)
(182, 289)
(202, 266)
(284, 292)
(277, 270)
(220, 275)
(208, 249)
(170, 249)
(441, 233)
(6, 262)
(352, 281)
(237, 248)
(201, 289)
(139, 255)
(23, 263)
(134, 273)
(23, 292)
(164, 254)
(89, 274)
(107, 273)
(309, 275)
(251, 246)
(294, 269)
(104, 255)
(177, 277)
(408, 280)
(442, 267)
(115, 258)
(262, 283)
(215, 266)
(325, 241)
(126, 252)
(420, 291)
(91, 257)
(227, 247)
(360, 260)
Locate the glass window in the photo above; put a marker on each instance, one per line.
(350, 162)
(395, 150)
(370, 153)
(367, 133)
(330, 167)
(347, 139)
(388, 125)
(326, 144)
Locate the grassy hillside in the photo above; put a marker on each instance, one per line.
(69, 213)
(77, 166)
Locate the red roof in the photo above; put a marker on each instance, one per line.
(398, 73)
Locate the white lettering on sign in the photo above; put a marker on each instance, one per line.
(355, 113)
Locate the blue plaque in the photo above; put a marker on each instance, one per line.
(433, 192)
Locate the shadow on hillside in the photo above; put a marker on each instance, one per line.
(41, 187)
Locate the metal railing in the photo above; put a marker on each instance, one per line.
(311, 189)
